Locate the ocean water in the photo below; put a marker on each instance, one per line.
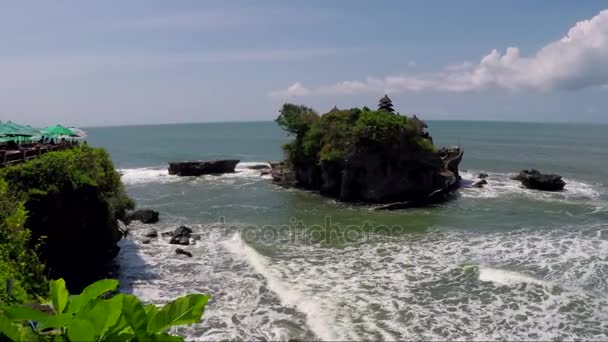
(501, 262)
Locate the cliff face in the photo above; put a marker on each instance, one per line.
(73, 199)
(375, 174)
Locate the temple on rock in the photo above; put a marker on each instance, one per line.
(386, 104)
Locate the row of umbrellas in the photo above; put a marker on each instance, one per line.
(11, 131)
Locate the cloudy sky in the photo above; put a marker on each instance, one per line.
(145, 61)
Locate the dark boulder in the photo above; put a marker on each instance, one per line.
(146, 241)
(181, 236)
(152, 233)
(143, 215)
(183, 252)
(534, 179)
(166, 234)
(483, 176)
(202, 167)
(480, 184)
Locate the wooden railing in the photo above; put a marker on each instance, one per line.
(12, 156)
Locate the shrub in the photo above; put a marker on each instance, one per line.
(72, 199)
(97, 315)
(334, 135)
(20, 270)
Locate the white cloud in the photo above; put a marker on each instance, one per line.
(579, 60)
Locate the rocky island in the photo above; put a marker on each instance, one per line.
(364, 155)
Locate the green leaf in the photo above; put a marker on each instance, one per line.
(151, 310)
(91, 292)
(184, 310)
(102, 313)
(81, 330)
(59, 338)
(121, 331)
(55, 321)
(24, 313)
(12, 331)
(59, 295)
(134, 314)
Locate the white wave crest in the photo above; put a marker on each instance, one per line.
(161, 175)
(504, 277)
(316, 313)
(146, 175)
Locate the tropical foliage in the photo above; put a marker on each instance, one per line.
(98, 314)
(41, 215)
(334, 135)
(20, 270)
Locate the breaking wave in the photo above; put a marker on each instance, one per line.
(160, 175)
(522, 285)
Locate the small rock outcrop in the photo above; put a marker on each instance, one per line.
(143, 215)
(183, 252)
(534, 179)
(202, 167)
(152, 233)
(181, 236)
(483, 176)
(480, 184)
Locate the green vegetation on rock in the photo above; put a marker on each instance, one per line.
(98, 314)
(58, 218)
(334, 135)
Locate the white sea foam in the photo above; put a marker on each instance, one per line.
(161, 175)
(501, 185)
(315, 310)
(146, 175)
(504, 277)
(529, 284)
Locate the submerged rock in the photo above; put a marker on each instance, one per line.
(534, 179)
(146, 241)
(480, 184)
(181, 236)
(183, 252)
(483, 176)
(143, 215)
(152, 233)
(166, 234)
(202, 167)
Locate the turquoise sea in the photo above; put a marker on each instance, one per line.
(501, 262)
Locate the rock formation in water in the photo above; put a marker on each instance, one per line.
(202, 167)
(181, 236)
(360, 155)
(143, 215)
(534, 179)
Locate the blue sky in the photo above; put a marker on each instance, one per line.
(129, 62)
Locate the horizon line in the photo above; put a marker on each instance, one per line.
(268, 121)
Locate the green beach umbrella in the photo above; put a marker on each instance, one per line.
(58, 130)
(10, 131)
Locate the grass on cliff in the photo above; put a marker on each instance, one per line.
(334, 135)
(21, 270)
